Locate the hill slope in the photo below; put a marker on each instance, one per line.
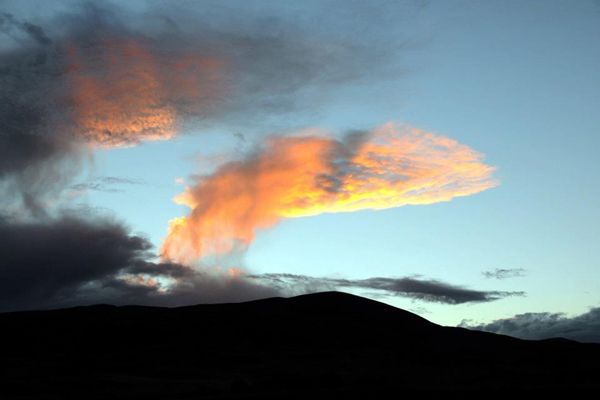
(326, 342)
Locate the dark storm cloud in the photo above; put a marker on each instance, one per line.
(69, 261)
(584, 327)
(420, 289)
(504, 273)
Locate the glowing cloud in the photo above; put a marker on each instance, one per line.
(306, 175)
(125, 92)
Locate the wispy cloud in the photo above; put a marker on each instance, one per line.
(428, 290)
(504, 273)
(109, 184)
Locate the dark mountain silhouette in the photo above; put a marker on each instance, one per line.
(325, 343)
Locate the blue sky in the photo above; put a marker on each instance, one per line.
(515, 80)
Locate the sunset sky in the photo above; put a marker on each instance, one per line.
(439, 156)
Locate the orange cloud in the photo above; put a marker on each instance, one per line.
(308, 175)
(125, 92)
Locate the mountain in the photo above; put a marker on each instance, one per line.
(325, 343)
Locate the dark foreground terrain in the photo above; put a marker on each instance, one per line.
(327, 343)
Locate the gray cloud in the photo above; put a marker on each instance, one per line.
(70, 261)
(33, 144)
(242, 63)
(421, 289)
(109, 184)
(504, 273)
(584, 327)
(10, 26)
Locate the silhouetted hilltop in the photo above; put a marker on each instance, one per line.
(328, 342)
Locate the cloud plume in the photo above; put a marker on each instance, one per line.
(311, 174)
(415, 288)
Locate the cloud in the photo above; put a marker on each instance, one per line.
(9, 25)
(420, 289)
(32, 146)
(116, 77)
(544, 325)
(107, 76)
(504, 273)
(71, 261)
(100, 75)
(68, 261)
(104, 184)
(311, 173)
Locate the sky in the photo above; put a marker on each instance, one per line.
(437, 156)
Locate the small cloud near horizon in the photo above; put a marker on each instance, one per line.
(545, 325)
(504, 273)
